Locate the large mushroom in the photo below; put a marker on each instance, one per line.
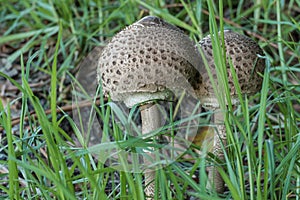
(243, 53)
(146, 62)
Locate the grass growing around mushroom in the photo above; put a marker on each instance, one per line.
(44, 154)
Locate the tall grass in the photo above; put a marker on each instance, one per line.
(41, 160)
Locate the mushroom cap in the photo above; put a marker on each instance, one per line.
(147, 61)
(243, 53)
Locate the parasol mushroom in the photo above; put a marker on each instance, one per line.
(146, 62)
(243, 53)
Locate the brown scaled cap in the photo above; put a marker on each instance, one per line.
(146, 61)
(243, 53)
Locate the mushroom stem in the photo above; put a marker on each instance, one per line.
(151, 120)
(215, 180)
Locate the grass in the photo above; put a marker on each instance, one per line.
(40, 159)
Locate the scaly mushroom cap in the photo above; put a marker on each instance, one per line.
(146, 61)
(243, 53)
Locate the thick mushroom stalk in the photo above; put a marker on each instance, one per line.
(243, 53)
(147, 61)
(151, 120)
(215, 180)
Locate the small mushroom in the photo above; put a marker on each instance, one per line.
(145, 62)
(243, 53)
